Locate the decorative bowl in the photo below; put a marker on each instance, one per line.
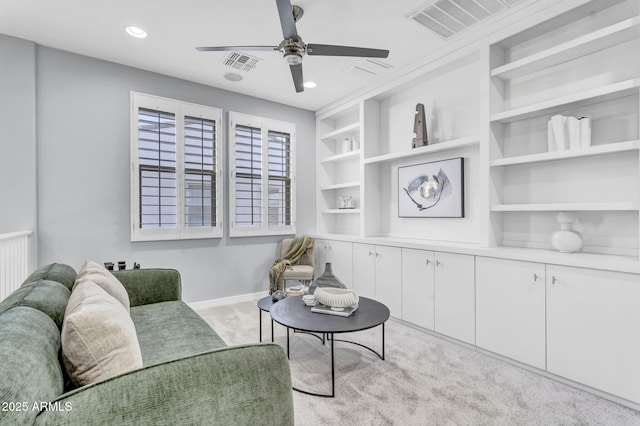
(336, 297)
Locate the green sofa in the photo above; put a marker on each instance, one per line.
(189, 375)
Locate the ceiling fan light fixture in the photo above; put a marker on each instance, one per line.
(310, 84)
(136, 32)
(293, 58)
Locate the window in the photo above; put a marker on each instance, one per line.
(262, 192)
(176, 175)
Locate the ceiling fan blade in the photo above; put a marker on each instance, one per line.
(229, 48)
(298, 81)
(331, 50)
(287, 22)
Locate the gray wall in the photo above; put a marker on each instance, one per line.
(83, 175)
(18, 204)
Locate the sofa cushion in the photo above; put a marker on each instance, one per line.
(58, 272)
(29, 367)
(98, 336)
(171, 330)
(98, 274)
(50, 297)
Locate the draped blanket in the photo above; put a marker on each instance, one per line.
(297, 249)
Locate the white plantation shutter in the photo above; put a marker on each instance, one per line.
(176, 175)
(262, 189)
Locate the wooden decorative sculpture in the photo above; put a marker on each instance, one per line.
(420, 128)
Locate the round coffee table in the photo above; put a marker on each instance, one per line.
(294, 314)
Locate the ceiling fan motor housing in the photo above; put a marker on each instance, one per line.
(293, 50)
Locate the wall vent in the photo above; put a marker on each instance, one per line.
(241, 61)
(447, 18)
(370, 67)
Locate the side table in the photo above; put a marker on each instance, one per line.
(264, 305)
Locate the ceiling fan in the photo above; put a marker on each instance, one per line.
(293, 48)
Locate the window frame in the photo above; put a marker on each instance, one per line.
(265, 125)
(180, 110)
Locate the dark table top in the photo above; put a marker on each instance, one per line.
(293, 313)
(265, 303)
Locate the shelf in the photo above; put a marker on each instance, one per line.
(340, 186)
(586, 97)
(342, 131)
(565, 52)
(568, 153)
(341, 211)
(424, 150)
(342, 157)
(558, 207)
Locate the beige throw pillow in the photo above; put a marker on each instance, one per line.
(97, 273)
(98, 336)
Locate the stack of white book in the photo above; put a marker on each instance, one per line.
(568, 133)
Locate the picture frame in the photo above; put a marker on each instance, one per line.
(434, 190)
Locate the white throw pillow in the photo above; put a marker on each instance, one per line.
(97, 273)
(98, 336)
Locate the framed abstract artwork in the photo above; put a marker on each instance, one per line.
(432, 189)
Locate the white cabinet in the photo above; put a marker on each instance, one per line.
(593, 319)
(455, 296)
(338, 253)
(418, 293)
(510, 309)
(377, 274)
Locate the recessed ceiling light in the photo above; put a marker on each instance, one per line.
(136, 32)
(310, 84)
(232, 76)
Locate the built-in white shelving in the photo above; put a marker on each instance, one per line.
(341, 211)
(569, 153)
(342, 157)
(340, 186)
(556, 207)
(564, 52)
(342, 131)
(425, 150)
(583, 98)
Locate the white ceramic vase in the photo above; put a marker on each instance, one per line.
(566, 240)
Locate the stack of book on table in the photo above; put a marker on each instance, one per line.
(342, 312)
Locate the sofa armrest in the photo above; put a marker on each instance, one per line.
(249, 384)
(146, 286)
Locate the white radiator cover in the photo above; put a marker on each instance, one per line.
(14, 261)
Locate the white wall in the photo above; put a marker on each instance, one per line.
(18, 206)
(83, 171)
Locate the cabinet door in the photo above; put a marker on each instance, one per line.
(389, 278)
(341, 261)
(592, 328)
(321, 252)
(455, 296)
(364, 270)
(510, 309)
(418, 287)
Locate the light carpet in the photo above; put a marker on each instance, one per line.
(424, 380)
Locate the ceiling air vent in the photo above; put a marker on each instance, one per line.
(370, 67)
(241, 61)
(447, 18)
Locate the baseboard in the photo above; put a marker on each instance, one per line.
(212, 303)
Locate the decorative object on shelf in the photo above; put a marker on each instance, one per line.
(122, 265)
(566, 240)
(355, 143)
(327, 279)
(346, 202)
(568, 133)
(336, 297)
(432, 189)
(136, 265)
(419, 128)
(346, 145)
(109, 266)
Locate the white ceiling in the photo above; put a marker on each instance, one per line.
(175, 28)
